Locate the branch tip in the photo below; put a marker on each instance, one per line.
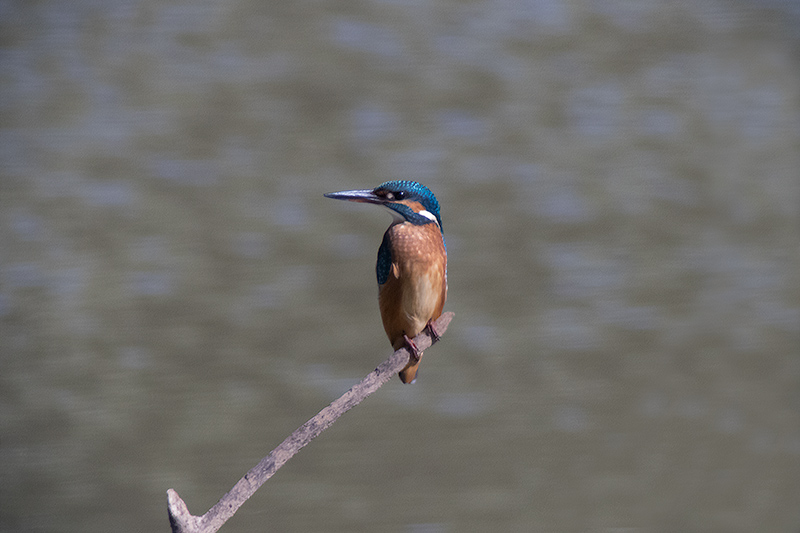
(181, 520)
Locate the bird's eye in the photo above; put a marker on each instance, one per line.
(400, 195)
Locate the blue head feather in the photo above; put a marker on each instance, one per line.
(411, 190)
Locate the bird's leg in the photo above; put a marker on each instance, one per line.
(415, 353)
(412, 348)
(432, 330)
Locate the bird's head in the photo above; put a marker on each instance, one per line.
(408, 201)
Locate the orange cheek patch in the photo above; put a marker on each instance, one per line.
(415, 206)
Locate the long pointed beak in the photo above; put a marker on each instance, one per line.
(359, 195)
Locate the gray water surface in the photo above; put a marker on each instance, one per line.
(621, 201)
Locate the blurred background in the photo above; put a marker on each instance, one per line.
(621, 201)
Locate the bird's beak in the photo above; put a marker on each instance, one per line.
(360, 195)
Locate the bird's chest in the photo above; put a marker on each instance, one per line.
(412, 270)
(410, 252)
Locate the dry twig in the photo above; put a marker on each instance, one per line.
(183, 522)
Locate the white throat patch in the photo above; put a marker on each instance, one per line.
(427, 214)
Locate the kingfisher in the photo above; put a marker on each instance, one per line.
(412, 263)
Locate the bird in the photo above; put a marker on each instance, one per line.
(411, 266)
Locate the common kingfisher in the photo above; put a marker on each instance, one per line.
(412, 263)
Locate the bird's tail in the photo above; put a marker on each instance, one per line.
(409, 373)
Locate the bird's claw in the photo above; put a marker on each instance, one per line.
(412, 348)
(432, 331)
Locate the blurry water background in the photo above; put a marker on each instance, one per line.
(621, 199)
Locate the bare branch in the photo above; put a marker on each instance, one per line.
(184, 522)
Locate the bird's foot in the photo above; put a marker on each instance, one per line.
(412, 348)
(433, 332)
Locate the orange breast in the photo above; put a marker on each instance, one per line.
(416, 288)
